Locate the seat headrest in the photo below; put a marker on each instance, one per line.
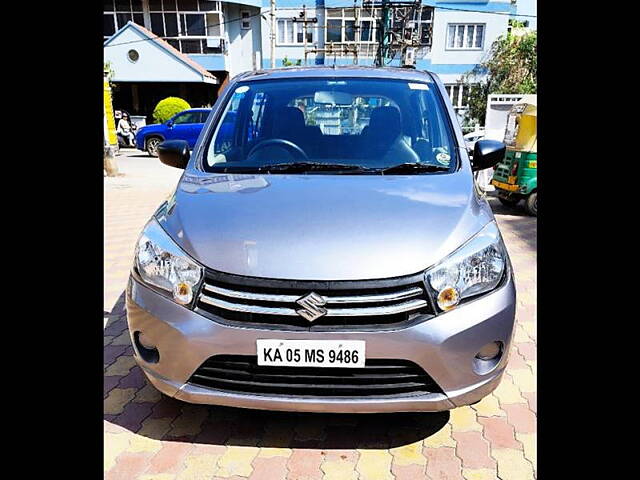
(288, 121)
(385, 121)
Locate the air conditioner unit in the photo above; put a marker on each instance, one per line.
(214, 42)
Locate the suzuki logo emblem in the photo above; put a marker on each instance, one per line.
(312, 306)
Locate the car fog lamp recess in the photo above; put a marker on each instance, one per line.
(145, 342)
(489, 351)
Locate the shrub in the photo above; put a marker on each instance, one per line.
(168, 107)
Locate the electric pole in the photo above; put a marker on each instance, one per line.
(273, 33)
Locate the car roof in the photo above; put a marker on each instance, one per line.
(196, 110)
(342, 71)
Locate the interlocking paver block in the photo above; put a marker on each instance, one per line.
(521, 417)
(237, 461)
(128, 466)
(408, 472)
(524, 380)
(170, 458)
(269, 452)
(464, 419)
(144, 444)
(199, 467)
(473, 450)
(442, 463)
(512, 465)
(409, 454)
(374, 465)
(479, 474)
(117, 399)
(488, 407)
(528, 441)
(148, 393)
(507, 392)
(114, 445)
(305, 464)
(269, 468)
(499, 433)
(122, 366)
(133, 414)
(442, 438)
(189, 422)
(155, 427)
(339, 470)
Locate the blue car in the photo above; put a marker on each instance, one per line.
(185, 125)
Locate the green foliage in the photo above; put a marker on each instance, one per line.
(288, 63)
(509, 68)
(168, 107)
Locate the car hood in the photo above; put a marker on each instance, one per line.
(323, 227)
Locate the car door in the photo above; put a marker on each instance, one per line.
(199, 125)
(183, 127)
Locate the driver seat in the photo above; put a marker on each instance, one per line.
(289, 125)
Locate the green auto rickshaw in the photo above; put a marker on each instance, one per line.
(516, 177)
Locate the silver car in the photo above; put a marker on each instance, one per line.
(326, 250)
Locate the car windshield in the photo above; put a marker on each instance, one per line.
(332, 125)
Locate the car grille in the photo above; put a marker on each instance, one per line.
(369, 304)
(379, 378)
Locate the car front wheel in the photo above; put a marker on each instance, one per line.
(152, 146)
(531, 204)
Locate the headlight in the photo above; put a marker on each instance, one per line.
(160, 262)
(474, 268)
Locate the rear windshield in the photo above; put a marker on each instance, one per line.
(368, 123)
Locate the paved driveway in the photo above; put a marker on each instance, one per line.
(149, 437)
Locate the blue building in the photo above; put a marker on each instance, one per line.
(204, 42)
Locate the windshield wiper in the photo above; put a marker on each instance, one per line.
(310, 166)
(413, 167)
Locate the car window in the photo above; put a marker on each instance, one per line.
(186, 117)
(203, 117)
(364, 122)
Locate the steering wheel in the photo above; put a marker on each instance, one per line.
(281, 142)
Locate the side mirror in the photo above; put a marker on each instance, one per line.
(174, 153)
(487, 154)
(169, 123)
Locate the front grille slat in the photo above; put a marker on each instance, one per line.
(379, 378)
(366, 304)
(319, 378)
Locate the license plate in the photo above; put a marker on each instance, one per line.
(311, 353)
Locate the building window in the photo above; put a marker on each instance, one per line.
(459, 95)
(350, 25)
(292, 33)
(245, 22)
(117, 13)
(190, 26)
(424, 20)
(465, 36)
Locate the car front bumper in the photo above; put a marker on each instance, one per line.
(444, 346)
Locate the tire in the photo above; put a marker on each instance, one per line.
(509, 202)
(152, 146)
(531, 204)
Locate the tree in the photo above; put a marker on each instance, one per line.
(168, 107)
(510, 68)
(289, 63)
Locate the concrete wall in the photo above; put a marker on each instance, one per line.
(154, 64)
(242, 44)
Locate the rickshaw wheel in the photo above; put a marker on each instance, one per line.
(531, 204)
(509, 202)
